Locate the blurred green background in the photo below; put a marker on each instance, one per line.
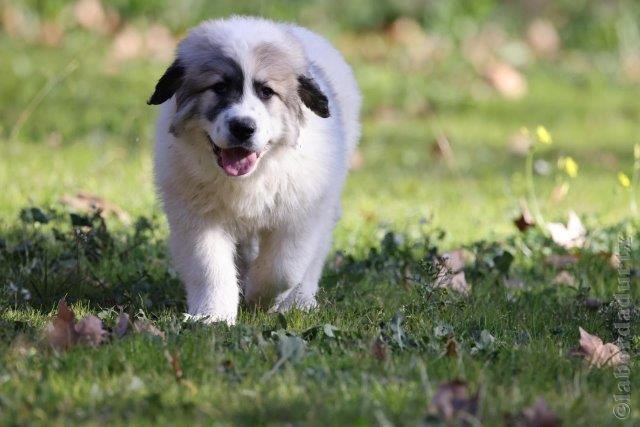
(447, 87)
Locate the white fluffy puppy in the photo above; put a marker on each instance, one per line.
(258, 121)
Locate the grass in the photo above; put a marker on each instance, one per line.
(91, 131)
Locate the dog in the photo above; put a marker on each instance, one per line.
(257, 124)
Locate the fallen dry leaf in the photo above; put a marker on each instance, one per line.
(159, 43)
(537, 415)
(127, 44)
(481, 48)
(371, 46)
(63, 332)
(173, 358)
(50, 33)
(379, 349)
(508, 81)
(453, 401)
(614, 261)
(441, 149)
(451, 272)
(565, 278)
(559, 192)
(92, 15)
(525, 221)
(631, 65)
(131, 43)
(572, 235)
(15, 22)
(543, 38)
(595, 352)
(145, 326)
(90, 203)
(90, 331)
(420, 48)
(454, 260)
(452, 348)
(122, 325)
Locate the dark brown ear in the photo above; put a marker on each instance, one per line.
(312, 96)
(168, 84)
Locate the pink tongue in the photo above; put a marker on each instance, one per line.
(237, 161)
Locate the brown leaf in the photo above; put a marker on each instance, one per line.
(614, 261)
(419, 47)
(90, 203)
(441, 150)
(454, 260)
(61, 332)
(89, 13)
(131, 43)
(90, 331)
(452, 348)
(525, 221)
(565, 278)
(92, 15)
(539, 415)
(561, 260)
(543, 38)
(15, 22)
(122, 325)
(630, 64)
(144, 326)
(451, 272)
(127, 44)
(371, 46)
(453, 401)
(159, 43)
(508, 81)
(50, 34)
(174, 362)
(595, 352)
(379, 349)
(559, 192)
(480, 48)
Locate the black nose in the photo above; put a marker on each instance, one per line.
(242, 128)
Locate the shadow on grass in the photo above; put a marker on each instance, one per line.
(53, 255)
(50, 254)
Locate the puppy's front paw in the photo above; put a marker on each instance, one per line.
(209, 318)
(294, 298)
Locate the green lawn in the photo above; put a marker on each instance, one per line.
(86, 127)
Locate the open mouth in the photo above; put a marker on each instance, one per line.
(235, 161)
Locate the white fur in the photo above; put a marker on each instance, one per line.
(267, 233)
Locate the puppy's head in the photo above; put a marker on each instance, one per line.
(241, 91)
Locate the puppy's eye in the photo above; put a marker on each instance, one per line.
(220, 88)
(265, 92)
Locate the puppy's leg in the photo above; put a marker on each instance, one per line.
(204, 258)
(289, 263)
